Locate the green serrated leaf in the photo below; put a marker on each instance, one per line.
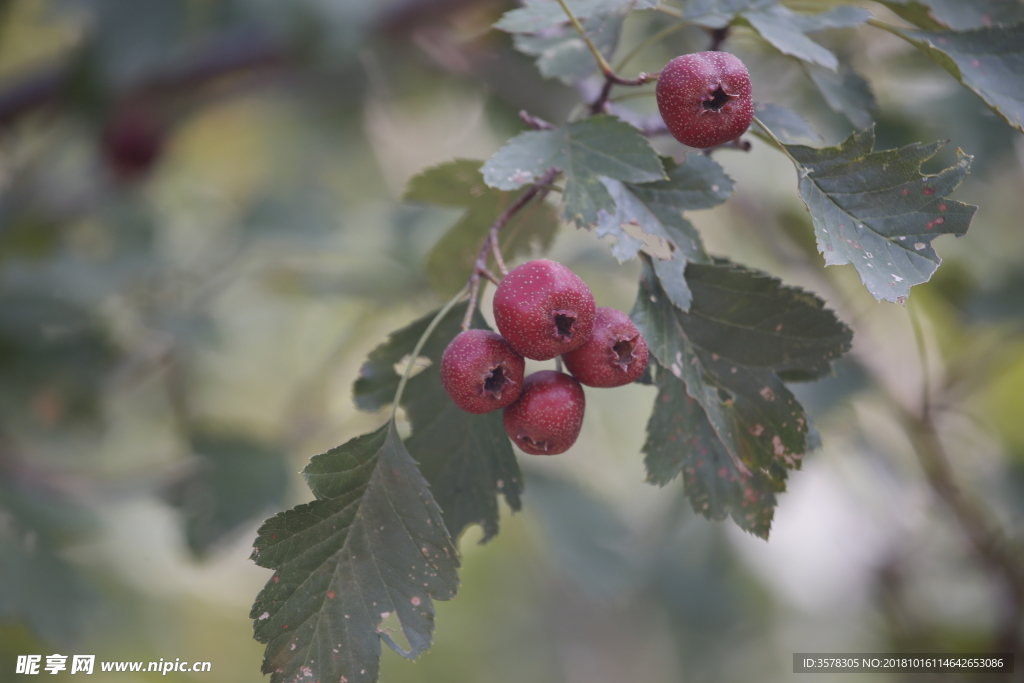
(784, 29)
(876, 211)
(467, 459)
(361, 564)
(786, 124)
(742, 328)
(236, 478)
(585, 151)
(562, 54)
(988, 60)
(655, 210)
(538, 16)
(787, 31)
(957, 14)
(845, 92)
(681, 440)
(542, 29)
(459, 184)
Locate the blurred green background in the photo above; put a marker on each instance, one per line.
(202, 236)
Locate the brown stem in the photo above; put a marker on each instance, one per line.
(741, 145)
(535, 122)
(491, 246)
(718, 36)
(611, 78)
(992, 548)
(232, 51)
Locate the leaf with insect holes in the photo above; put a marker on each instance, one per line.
(458, 184)
(987, 60)
(743, 331)
(360, 564)
(681, 440)
(653, 211)
(876, 211)
(785, 29)
(585, 151)
(542, 29)
(957, 14)
(467, 459)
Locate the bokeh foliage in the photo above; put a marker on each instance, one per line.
(178, 336)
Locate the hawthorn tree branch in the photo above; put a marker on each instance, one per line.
(492, 245)
(232, 51)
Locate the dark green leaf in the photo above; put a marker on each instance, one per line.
(988, 60)
(876, 211)
(236, 478)
(785, 123)
(845, 92)
(585, 535)
(585, 152)
(655, 210)
(784, 29)
(361, 564)
(542, 29)
(39, 588)
(42, 590)
(680, 440)
(743, 327)
(957, 14)
(467, 459)
(459, 184)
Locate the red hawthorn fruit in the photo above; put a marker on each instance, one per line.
(543, 309)
(615, 354)
(132, 141)
(547, 417)
(481, 372)
(705, 98)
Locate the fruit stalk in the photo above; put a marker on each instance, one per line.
(491, 245)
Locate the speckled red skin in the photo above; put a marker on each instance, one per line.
(470, 360)
(548, 415)
(686, 98)
(615, 354)
(528, 302)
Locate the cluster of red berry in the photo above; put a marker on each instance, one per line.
(542, 310)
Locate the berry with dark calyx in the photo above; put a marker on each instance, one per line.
(547, 417)
(705, 98)
(481, 372)
(615, 354)
(543, 309)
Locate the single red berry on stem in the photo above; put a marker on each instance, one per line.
(543, 309)
(705, 98)
(481, 372)
(547, 417)
(615, 354)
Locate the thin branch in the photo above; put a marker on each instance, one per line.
(535, 122)
(718, 36)
(492, 245)
(419, 347)
(738, 143)
(991, 546)
(606, 68)
(232, 51)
